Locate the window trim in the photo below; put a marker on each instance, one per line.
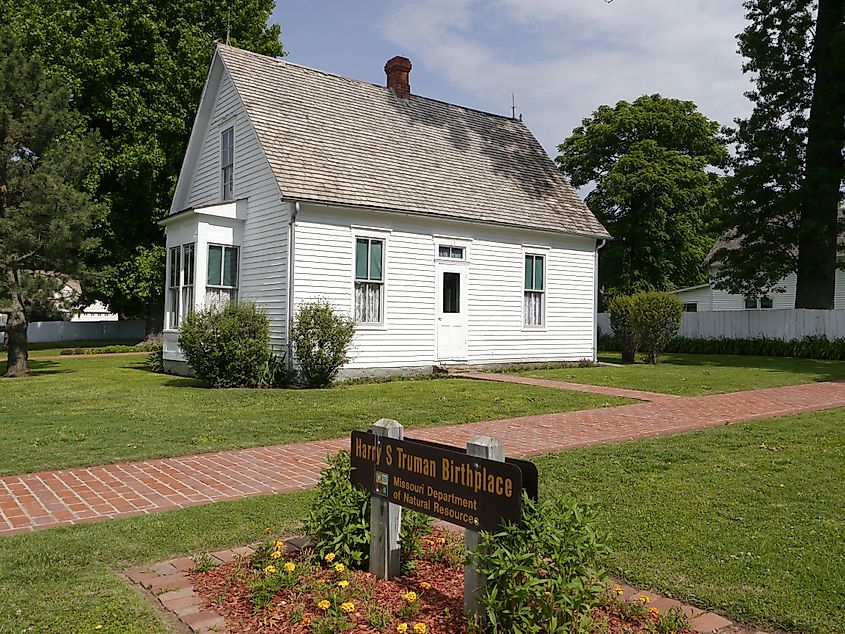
(223, 132)
(222, 287)
(542, 326)
(370, 236)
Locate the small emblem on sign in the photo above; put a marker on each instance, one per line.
(381, 484)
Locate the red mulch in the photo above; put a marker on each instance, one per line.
(440, 607)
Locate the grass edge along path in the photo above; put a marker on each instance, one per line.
(747, 519)
(89, 411)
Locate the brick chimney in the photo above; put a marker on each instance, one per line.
(398, 69)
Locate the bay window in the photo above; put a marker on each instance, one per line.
(221, 284)
(180, 294)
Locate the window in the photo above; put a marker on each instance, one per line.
(451, 292)
(221, 284)
(691, 307)
(763, 303)
(180, 296)
(227, 162)
(766, 302)
(750, 303)
(534, 290)
(453, 253)
(369, 280)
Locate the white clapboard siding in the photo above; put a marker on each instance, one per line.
(263, 263)
(324, 250)
(787, 324)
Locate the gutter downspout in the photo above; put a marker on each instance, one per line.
(599, 246)
(290, 278)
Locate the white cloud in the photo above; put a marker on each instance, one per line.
(563, 58)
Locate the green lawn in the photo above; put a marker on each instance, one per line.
(83, 411)
(697, 374)
(746, 519)
(54, 349)
(67, 581)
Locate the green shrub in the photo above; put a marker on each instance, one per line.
(113, 349)
(657, 318)
(544, 573)
(321, 337)
(339, 519)
(155, 360)
(229, 346)
(621, 311)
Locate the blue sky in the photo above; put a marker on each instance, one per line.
(562, 58)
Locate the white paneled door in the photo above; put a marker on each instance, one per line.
(451, 312)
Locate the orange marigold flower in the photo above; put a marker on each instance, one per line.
(420, 628)
(410, 597)
(653, 612)
(644, 599)
(402, 628)
(425, 585)
(323, 605)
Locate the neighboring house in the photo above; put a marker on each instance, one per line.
(448, 233)
(705, 297)
(93, 312)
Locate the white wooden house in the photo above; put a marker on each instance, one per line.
(447, 232)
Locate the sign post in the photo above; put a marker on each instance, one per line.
(385, 518)
(490, 449)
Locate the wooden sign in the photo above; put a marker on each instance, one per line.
(446, 483)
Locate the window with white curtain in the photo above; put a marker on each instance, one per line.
(534, 292)
(221, 284)
(369, 280)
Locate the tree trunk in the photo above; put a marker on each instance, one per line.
(154, 319)
(17, 356)
(824, 169)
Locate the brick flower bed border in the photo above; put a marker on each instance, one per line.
(171, 588)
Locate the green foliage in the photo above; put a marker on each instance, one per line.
(657, 318)
(321, 338)
(229, 346)
(651, 162)
(646, 321)
(114, 349)
(621, 312)
(136, 71)
(133, 287)
(339, 519)
(811, 347)
(155, 360)
(544, 573)
(788, 167)
(46, 208)
(378, 618)
(204, 562)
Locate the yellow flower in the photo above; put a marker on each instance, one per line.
(410, 597)
(267, 531)
(279, 544)
(440, 540)
(619, 591)
(339, 567)
(425, 585)
(402, 628)
(420, 628)
(654, 612)
(347, 607)
(329, 557)
(290, 566)
(343, 583)
(644, 599)
(98, 626)
(323, 605)
(276, 554)
(305, 621)
(269, 570)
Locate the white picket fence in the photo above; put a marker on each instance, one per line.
(787, 324)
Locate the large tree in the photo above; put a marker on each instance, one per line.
(46, 210)
(136, 69)
(788, 168)
(650, 165)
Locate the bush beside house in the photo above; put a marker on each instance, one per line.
(645, 321)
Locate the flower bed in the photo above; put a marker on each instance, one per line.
(296, 593)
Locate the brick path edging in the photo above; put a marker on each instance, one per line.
(168, 581)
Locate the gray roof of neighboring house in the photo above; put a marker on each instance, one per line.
(342, 141)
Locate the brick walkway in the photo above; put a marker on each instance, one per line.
(34, 501)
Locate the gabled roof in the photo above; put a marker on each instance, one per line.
(340, 141)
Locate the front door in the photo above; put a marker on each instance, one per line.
(451, 313)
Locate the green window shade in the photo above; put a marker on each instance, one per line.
(376, 252)
(230, 267)
(215, 260)
(538, 273)
(361, 249)
(529, 272)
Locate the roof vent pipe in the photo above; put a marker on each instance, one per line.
(397, 69)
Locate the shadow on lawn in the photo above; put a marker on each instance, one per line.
(40, 368)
